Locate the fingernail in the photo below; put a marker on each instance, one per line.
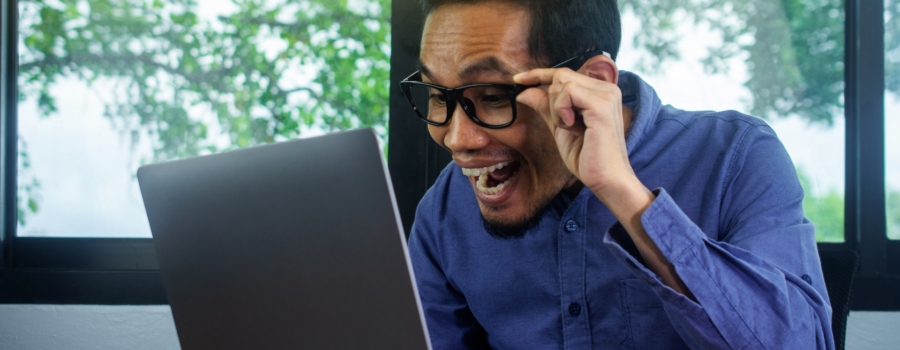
(520, 75)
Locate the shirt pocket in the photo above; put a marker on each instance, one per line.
(647, 325)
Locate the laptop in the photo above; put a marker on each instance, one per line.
(294, 245)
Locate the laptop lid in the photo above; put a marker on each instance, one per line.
(291, 245)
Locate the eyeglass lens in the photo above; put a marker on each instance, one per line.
(490, 105)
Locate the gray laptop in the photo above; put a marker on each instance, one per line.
(295, 245)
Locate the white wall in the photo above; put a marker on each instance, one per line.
(87, 327)
(873, 330)
(93, 327)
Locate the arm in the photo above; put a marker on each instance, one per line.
(749, 288)
(750, 282)
(745, 291)
(451, 324)
(593, 145)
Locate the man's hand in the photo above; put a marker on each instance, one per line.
(585, 116)
(586, 119)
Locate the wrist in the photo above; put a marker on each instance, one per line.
(626, 200)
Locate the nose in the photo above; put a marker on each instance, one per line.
(463, 134)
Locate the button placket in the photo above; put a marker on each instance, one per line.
(571, 231)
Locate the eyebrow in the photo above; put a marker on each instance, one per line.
(487, 64)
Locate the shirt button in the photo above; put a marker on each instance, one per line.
(574, 309)
(806, 278)
(571, 226)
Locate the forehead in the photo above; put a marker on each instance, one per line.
(462, 42)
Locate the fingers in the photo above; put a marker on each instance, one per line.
(554, 106)
(562, 103)
(537, 99)
(550, 76)
(565, 98)
(542, 76)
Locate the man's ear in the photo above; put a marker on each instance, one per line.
(602, 68)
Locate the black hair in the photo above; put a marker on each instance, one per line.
(562, 29)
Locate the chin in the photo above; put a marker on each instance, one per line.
(506, 215)
(512, 225)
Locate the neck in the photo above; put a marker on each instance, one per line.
(627, 113)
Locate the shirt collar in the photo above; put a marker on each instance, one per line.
(639, 95)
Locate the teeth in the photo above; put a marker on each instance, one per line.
(482, 171)
(481, 184)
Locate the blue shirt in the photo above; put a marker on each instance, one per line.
(727, 215)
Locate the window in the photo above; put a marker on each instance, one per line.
(780, 63)
(92, 89)
(892, 116)
(285, 69)
(109, 85)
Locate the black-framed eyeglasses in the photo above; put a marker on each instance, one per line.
(495, 103)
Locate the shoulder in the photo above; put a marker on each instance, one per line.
(445, 187)
(746, 148)
(450, 190)
(725, 130)
(446, 211)
(731, 142)
(674, 117)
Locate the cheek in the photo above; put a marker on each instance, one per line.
(518, 137)
(437, 134)
(538, 142)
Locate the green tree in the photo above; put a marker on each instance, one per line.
(794, 49)
(826, 211)
(893, 215)
(165, 61)
(892, 45)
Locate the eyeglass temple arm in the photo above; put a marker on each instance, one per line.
(567, 63)
(411, 76)
(580, 59)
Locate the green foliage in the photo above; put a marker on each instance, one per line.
(28, 186)
(247, 67)
(892, 45)
(893, 214)
(166, 61)
(794, 49)
(827, 211)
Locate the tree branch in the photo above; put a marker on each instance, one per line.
(302, 25)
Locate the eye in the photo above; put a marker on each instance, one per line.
(494, 100)
(438, 98)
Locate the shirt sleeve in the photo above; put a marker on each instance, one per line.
(451, 324)
(759, 285)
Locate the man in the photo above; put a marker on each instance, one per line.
(581, 213)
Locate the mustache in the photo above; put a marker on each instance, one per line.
(498, 153)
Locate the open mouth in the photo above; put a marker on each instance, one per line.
(493, 179)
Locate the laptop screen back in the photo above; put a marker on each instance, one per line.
(292, 245)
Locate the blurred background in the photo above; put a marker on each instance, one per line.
(109, 85)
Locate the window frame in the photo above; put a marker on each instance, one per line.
(125, 271)
(877, 283)
(58, 270)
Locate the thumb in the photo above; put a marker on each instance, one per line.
(536, 98)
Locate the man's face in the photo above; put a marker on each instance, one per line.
(487, 43)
